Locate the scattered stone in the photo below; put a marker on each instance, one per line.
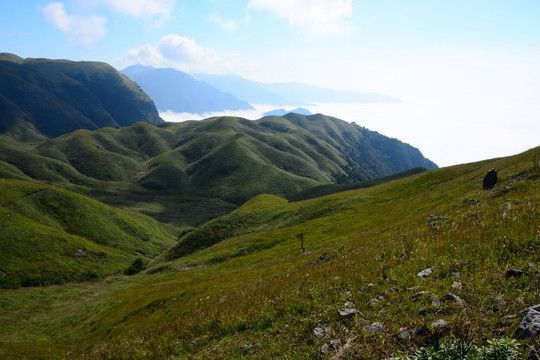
(425, 273)
(374, 301)
(534, 352)
(2, 274)
(322, 329)
(436, 302)
(439, 325)
(79, 253)
(515, 273)
(420, 330)
(348, 305)
(250, 346)
(455, 273)
(324, 257)
(405, 333)
(328, 347)
(530, 324)
(373, 328)
(454, 298)
(456, 285)
(347, 313)
(501, 303)
(489, 180)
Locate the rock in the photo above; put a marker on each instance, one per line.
(79, 253)
(537, 274)
(439, 325)
(455, 273)
(515, 273)
(456, 285)
(348, 305)
(324, 257)
(250, 346)
(347, 313)
(405, 333)
(530, 324)
(322, 329)
(489, 180)
(454, 298)
(425, 273)
(501, 303)
(328, 347)
(374, 301)
(2, 274)
(436, 302)
(373, 328)
(534, 352)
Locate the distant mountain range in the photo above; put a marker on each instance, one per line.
(281, 112)
(177, 91)
(46, 98)
(281, 94)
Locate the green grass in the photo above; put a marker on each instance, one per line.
(255, 285)
(50, 236)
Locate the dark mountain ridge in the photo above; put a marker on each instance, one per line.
(47, 98)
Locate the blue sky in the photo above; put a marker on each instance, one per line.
(468, 71)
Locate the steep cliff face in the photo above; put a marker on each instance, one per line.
(48, 98)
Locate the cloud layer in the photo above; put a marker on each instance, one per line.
(181, 53)
(82, 30)
(315, 17)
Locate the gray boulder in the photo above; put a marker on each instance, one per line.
(530, 324)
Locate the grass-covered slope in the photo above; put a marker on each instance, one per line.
(256, 294)
(186, 173)
(43, 97)
(50, 236)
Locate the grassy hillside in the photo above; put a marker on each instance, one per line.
(186, 173)
(256, 294)
(52, 236)
(46, 98)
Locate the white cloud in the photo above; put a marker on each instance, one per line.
(83, 30)
(144, 8)
(217, 19)
(181, 53)
(316, 17)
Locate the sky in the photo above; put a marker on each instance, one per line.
(467, 72)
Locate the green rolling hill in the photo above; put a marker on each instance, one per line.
(186, 173)
(51, 236)
(255, 291)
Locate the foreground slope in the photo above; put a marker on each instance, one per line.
(47, 98)
(257, 294)
(51, 236)
(186, 173)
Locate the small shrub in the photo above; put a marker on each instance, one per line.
(136, 267)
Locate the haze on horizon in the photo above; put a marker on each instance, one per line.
(467, 72)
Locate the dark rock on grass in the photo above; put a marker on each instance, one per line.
(347, 313)
(489, 180)
(405, 333)
(537, 274)
(329, 347)
(515, 273)
(324, 257)
(439, 325)
(530, 324)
